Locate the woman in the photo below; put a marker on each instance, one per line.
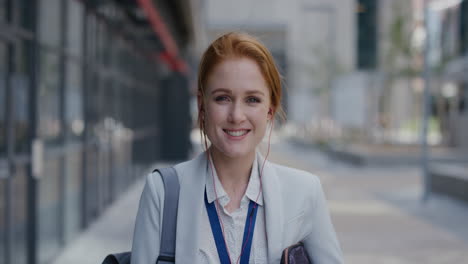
(231, 187)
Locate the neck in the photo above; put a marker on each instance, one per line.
(233, 173)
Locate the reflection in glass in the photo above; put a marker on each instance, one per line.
(19, 84)
(3, 56)
(91, 196)
(49, 211)
(3, 13)
(3, 67)
(2, 220)
(25, 12)
(20, 57)
(91, 36)
(74, 101)
(48, 96)
(93, 106)
(19, 223)
(2, 115)
(75, 27)
(105, 47)
(73, 172)
(49, 22)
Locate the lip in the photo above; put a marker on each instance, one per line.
(234, 137)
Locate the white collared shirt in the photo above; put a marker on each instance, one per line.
(234, 222)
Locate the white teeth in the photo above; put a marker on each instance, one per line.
(237, 133)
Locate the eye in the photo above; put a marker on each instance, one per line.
(221, 98)
(253, 100)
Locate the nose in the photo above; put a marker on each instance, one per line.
(236, 113)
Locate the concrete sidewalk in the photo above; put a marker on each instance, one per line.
(112, 232)
(384, 154)
(377, 214)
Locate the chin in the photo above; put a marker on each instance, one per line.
(235, 153)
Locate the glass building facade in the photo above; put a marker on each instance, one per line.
(83, 94)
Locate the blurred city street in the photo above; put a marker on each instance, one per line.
(377, 213)
(96, 93)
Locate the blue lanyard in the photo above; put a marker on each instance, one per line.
(218, 233)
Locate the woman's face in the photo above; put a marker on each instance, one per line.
(237, 107)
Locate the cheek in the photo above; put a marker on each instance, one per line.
(214, 116)
(261, 112)
(260, 117)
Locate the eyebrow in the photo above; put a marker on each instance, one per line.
(230, 92)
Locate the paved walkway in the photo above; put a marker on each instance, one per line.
(111, 233)
(377, 214)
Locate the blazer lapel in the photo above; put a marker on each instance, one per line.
(192, 185)
(272, 197)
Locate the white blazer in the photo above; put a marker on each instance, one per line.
(295, 210)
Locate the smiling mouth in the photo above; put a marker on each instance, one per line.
(236, 133)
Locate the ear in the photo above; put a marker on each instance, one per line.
(271, 113)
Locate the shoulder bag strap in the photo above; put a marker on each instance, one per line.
(171, 202)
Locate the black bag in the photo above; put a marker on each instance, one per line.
(171, 201)
(295, 254)
(118, 258)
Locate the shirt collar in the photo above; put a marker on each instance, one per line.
(251, 193)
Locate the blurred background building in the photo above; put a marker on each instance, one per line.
(354, 73)
(353, 69)
(92, 92)
(354, 78)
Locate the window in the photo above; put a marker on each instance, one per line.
(19, 224)
(464, 27)
(19, 86)
(2, 221)
(20, 57)
(48, 106)
(91, 103)
(74, 101)
(19, 82)
(3, 10)
(26, 14)
(75, 28)
(2, 115)
(3, 75)
(21, 13)
(91, 36)
(49, 203)
(49, 22)
(48, 96)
